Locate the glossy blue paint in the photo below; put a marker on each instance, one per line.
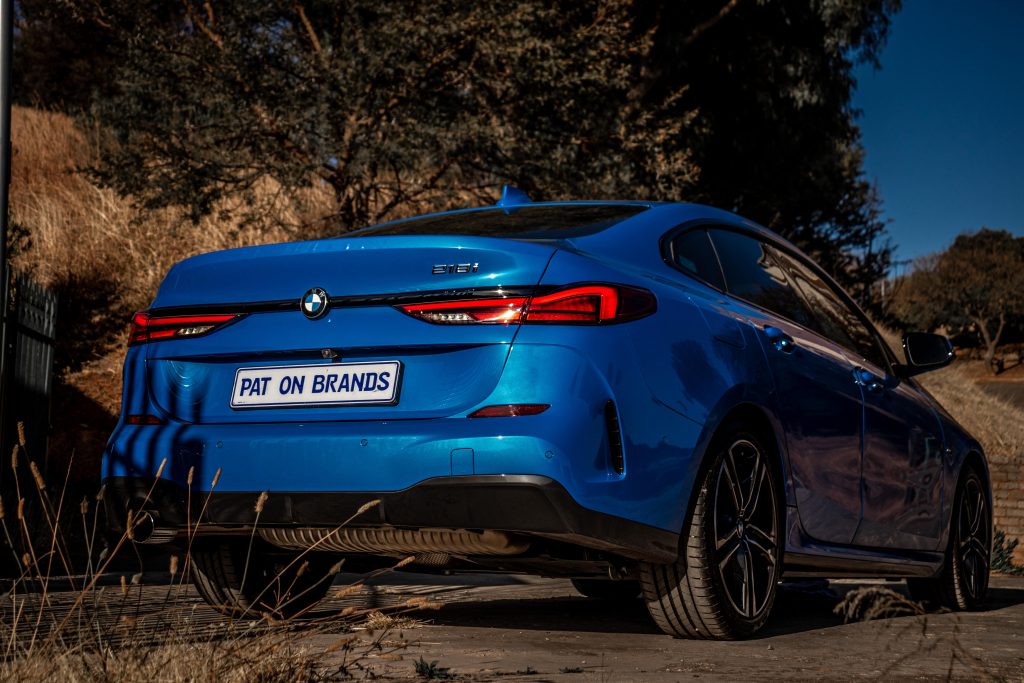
(869, 461)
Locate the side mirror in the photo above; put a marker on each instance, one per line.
(925, 352)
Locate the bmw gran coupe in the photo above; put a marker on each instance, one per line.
(654, 400)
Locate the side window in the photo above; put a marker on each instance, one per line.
(753, 275)
(693, 254)
(838, 321)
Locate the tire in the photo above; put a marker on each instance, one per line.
(962, 583)
(734, 541)
(281, 585)
(606, 589)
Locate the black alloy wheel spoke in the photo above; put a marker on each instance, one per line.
(976, 519)
(973, 576)
(734, 480)
(732, 536)
(730, 554)
(756, 484)
(756, 533)
(980, 551)
(765, 551)
(749, 607)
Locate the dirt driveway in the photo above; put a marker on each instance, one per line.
(514, 628)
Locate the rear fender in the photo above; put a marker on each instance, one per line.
(746, 401)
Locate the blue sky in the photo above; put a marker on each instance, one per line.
(943, 121)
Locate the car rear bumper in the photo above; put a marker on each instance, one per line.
(530, 505)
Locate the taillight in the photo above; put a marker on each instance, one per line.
(147, 328)
(469, 311)
(577, 305)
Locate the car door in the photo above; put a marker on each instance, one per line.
(817, 401)
(902, 451)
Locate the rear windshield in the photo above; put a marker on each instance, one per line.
(521, 222)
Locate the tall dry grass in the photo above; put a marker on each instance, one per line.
(74, 621)
(996, 423)
(104, 254)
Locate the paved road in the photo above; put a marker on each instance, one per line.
(526, 629)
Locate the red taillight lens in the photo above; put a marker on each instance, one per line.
(512, 410)
(469, 311)
(579, 305)
(147, 328)
(588, 304)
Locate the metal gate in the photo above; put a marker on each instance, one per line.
(28, 340)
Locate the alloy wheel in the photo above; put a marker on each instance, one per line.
(973, 540)
(746, 528)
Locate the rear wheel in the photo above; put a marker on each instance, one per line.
(725, 586)
(963, 582)
(606, 589)
(242, 584)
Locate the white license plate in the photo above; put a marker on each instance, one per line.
(316, 385)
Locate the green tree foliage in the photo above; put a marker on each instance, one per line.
(409, 106)
(975, 286)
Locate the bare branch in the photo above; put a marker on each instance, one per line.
(313, 40)
(703, 28)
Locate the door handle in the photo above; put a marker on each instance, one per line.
(869, 380)
(779, 339)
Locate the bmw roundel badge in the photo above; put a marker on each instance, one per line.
(314, 303)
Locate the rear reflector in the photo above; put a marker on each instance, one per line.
(591, 304)
(143, 420)
(147, 328)
(512, 410)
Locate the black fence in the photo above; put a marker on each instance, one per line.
(29, 332)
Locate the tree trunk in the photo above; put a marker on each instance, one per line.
(991, 342)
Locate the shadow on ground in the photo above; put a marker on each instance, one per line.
(799, 608)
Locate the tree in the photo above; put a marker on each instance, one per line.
(977, 285)
(775, 137)
(407, 106)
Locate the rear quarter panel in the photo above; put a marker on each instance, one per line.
(673, 375)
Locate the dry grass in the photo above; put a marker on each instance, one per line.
(876, 602)
(997, 424)
(63, 622)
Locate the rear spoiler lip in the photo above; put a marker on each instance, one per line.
(358, 300)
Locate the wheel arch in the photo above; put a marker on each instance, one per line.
(765, 424)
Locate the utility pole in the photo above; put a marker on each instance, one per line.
(6, 39)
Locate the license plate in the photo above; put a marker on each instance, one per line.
(316, 385)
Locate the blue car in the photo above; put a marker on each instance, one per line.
(657, 401)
